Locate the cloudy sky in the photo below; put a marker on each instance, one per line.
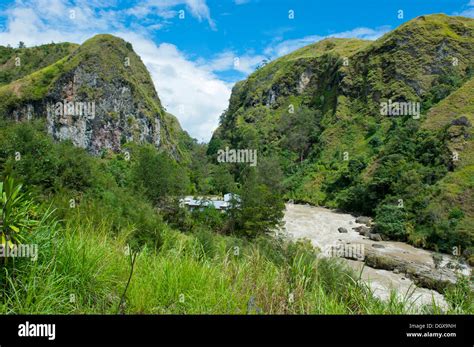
(196, 50)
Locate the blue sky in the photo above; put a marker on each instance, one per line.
(196, 50)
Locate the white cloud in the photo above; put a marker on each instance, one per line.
(42, 21)
(188, 90)
(287, 46)
(363, 33)
(468, 12)
(167, 9)
(229, 60)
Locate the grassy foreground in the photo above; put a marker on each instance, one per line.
(82, 269)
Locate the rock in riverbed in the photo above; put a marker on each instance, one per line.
(362, 230)
(342, 230)
(363, 220)
(421, 274)
(381, 264)
(375, 237)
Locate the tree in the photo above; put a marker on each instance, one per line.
(158, 174)
(21, 45)
(300, 131)
(390, 220)
(222, 180)
(260, 209)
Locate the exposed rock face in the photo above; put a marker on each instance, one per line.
(93, 123)
(25, 112)
(106, 122)
(99, 97)
(463, 121)
(305, 78)
(271, 99)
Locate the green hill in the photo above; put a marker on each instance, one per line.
(319, 112)
(454, 116)
(16, 63)
(105, 74)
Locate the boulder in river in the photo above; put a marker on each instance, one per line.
(375, 237)
(342, 230)
(363, 220)
(422, 275)
(376, 245)
(362, 230)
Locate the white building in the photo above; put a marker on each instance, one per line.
(201, 202)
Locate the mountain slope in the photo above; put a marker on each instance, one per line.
(16, 63)
(100, 96)
(318, 111)
(455, 191)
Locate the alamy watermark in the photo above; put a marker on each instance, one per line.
(237, 156)
(20, 251)
(400, 108)
(73, 108)
(350, 251)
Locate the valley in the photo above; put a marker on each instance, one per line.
(380, 129)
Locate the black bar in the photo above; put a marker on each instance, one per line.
(256, 329)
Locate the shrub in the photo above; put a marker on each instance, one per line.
(17, 213)
(390, 221)
(210, 218)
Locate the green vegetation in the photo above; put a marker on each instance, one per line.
(16, 213)
(91, 211)
(16, 63)
(314, 118)
(317, 112)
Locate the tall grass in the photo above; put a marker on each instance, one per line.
(82, 268)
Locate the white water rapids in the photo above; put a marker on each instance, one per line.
(320, 226)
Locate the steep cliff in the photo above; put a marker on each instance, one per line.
(99, 96)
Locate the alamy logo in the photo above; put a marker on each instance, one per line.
(350, 251)
(400, 108)
(73, 108)
(237, 156)
(20, 251)
(37, 330)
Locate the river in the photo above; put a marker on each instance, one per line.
(412, 275)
